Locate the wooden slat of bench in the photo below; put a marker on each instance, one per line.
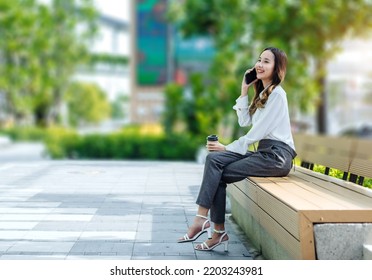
(344, 153)
(341, 216)
(244, 186)
(300, 141)
(323, 198)
(311, 175)
(331, 194)
(249, 187)
(355, 197)
(281, 235)
(248, 204)
(345, 197)
(362, 167)
(307, 241)
(289, 198)
(325, 150)
(298, 197)
(337, 145)
(277, 210)
(332, 161)
(361, 163)
(271, 225)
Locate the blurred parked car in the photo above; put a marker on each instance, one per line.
(364, 131)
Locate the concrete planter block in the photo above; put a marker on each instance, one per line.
(367, 252)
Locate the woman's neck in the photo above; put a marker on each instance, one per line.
(266, 83)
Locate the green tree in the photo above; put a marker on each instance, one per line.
(193, 106)
(309, 31)
(173, 100)
(15, 25)
(199, 110)
(41, 48)
(86, 104)
(118, 107)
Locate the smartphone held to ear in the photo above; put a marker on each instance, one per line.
(251, 76)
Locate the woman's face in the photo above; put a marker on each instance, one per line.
(265, 66)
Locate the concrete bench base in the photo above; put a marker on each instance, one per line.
(341, 241)
(367, 252)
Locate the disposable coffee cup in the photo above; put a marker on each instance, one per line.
(212, 138)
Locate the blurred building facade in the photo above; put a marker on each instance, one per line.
(112, 40)
(349, 92)
(112, 77)
(159, 55)
(349, 87)
(149, 61)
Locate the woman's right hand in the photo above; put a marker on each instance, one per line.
(244, 87)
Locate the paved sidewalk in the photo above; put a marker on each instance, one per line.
(130, 210)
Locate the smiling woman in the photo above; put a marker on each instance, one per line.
(268, 114)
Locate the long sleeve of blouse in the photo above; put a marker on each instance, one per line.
(270, 122)
(241, 107)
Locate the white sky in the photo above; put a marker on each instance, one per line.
(119, 9)
(116, 8)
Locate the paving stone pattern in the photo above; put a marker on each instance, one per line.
(128, 210)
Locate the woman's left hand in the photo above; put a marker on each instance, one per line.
(215, 146)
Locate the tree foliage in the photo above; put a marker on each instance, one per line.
(310, 32)
(193, 107)
(40, 49)
(86, 104)
(173, 98)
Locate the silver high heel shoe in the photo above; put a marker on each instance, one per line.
(187, 238)
(205, 247)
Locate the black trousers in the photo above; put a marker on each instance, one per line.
(272, 159)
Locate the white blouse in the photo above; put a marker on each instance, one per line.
(270, 122)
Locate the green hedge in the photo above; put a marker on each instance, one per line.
(122, 145)
(25, 133)
(130, 143)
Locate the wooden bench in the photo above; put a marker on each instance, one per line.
(279, 214)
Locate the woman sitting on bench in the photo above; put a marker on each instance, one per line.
(269, 117)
